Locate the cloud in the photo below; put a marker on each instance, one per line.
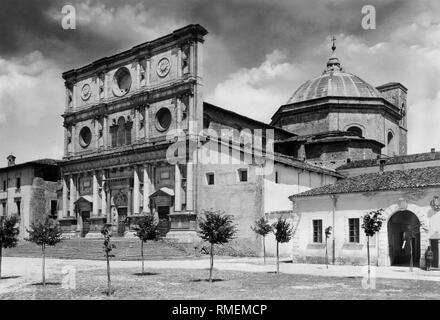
(31, 102)
(256, 92)
(256, 54)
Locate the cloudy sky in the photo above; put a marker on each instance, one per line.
(257, 53)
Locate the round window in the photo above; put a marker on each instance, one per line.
(85, 137)
(122, 82)
(163, 119)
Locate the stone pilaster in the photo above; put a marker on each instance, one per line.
(177, 189)
(65, 197)
(136, 190)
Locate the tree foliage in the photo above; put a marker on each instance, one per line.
(217, 227)
(8, 235)
(46, 232)
(147, 229)
(9, 232)
(372, 222)
(282, 230)
(262, 227)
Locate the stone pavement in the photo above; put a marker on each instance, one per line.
(19, 272)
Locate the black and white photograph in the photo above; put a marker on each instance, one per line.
(238, 151)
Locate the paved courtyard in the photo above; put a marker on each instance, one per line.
(238, 278)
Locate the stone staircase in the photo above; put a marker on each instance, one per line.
(92, 249)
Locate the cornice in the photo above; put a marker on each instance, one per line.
(133, 101)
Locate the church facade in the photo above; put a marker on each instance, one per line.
(139, 139)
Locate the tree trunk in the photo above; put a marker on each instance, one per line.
(326, 253)
(411, 258)
(368, 257)
(264, 250)
(43, 247)
(1, 253)
(211, 262)
(278, 259)
(142, 255)
(109, 287)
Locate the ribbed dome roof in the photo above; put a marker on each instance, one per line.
(334, 82)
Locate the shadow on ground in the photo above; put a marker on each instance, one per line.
(140, 274)
(47, 284)
(207, 280)
(9, 277)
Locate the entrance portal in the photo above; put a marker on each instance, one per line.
(122, 220)
(404, 238)
(85, 215)
(164, 220)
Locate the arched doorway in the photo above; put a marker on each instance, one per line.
(404, 238)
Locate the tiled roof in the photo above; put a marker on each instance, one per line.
(417, 157)
(296, 163)
(47, 162)
(380, 181)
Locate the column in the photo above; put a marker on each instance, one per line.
(136, 190)
(177, 189)
(105, 131)
(148, 187)
(95, 194)
(147, 121)
(96, 122)
(179, 62)
(147, 72)
(189, 186)
(66, 141)
(73, 138)
(136, 124)
(179, 113)
(65, 197)
(129, 202)
(72, 196)
(103, 196)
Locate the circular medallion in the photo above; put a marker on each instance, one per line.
(121, 82)
(86, 91)
(85, 137)
(163, 119)
(163, 67)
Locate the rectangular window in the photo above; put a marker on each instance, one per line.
(18, 203)
(317, 231)
(210, 178)
(353, 227)
(276, 177)
(18, 182)
(4, 185)
(4, 209)
(242, 175)
(53, 208)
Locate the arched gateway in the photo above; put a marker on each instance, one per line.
(405, 229)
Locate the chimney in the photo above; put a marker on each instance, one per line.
(432, 153)
(11, 160)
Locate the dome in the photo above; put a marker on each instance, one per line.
(334, 82)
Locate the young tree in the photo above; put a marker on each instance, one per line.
(328, 232)
(8, 235)
(283, 233)
(146, 230)
(216, 228)
(371, 223)
(108, 247)
(263, 228)
(45, 233)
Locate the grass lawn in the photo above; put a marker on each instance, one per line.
(192, 284)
